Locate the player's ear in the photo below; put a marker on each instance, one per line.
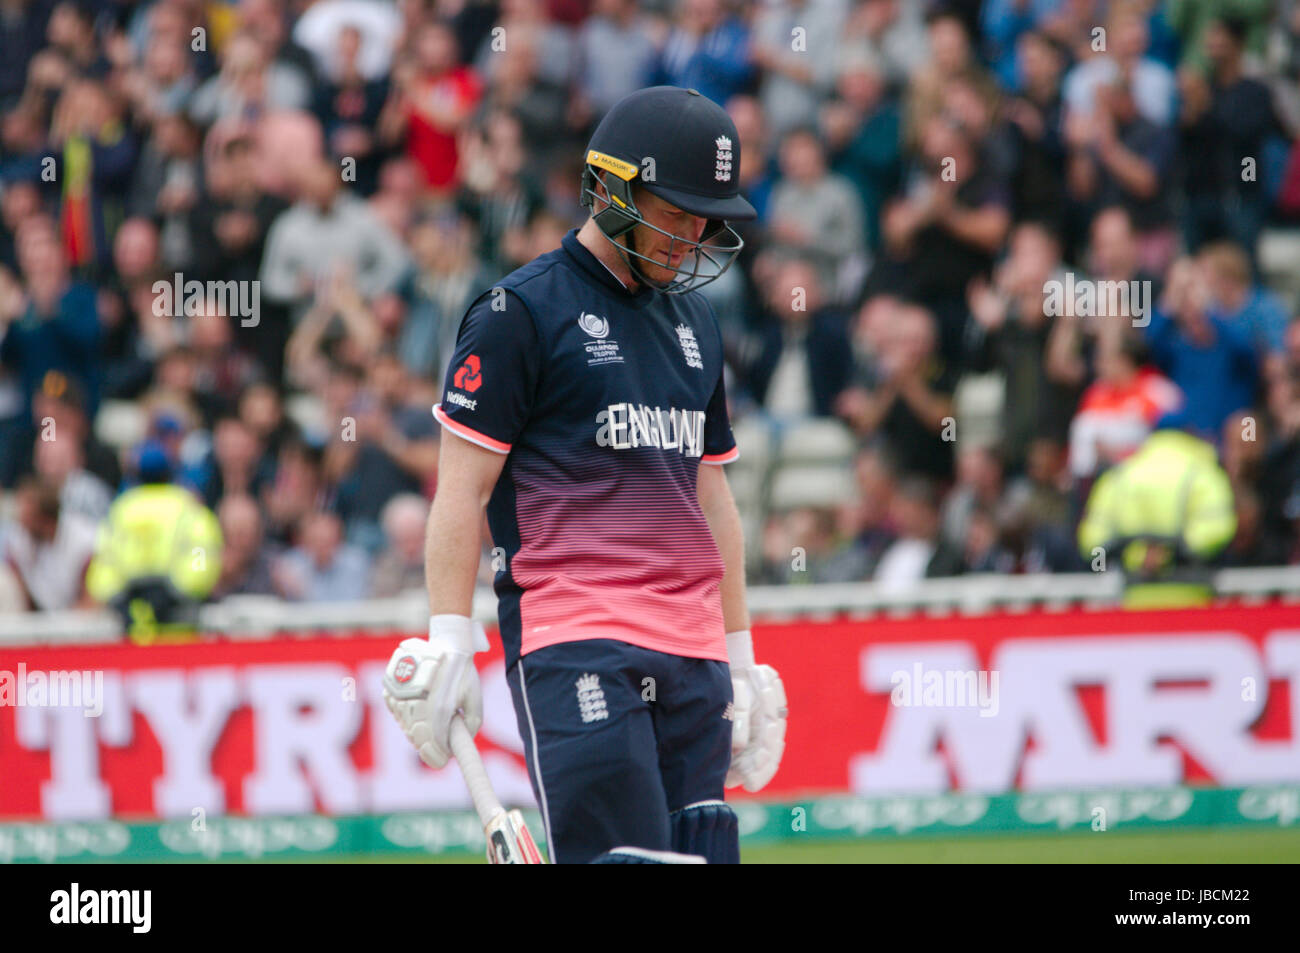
(593, 189)
(601, 189)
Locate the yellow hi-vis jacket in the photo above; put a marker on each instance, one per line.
(1172, 487)
(156, 530)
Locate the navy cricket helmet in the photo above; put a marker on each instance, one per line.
(684, 148)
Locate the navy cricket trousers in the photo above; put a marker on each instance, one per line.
(617, 737)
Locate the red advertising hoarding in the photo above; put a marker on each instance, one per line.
(1034, 701)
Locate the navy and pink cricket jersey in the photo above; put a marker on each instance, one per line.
(604, 402)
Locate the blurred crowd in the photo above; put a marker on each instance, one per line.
(922, 172)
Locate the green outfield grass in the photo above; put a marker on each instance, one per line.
(1212, 846)
(1222, 846)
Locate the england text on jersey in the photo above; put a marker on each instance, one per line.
(628, 426)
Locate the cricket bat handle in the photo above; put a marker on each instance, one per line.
(508, 838)
(471, 766)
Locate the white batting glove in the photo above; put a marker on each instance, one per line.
(758, 732)
(428, 681)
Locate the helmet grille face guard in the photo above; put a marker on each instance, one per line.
(702, 261)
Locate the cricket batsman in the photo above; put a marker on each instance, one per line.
(584, 408)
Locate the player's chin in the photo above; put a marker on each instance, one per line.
(660, 273)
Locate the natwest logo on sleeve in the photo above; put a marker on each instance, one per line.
(460, 400)
(468, 375)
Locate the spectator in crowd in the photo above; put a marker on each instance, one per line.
(261, 410)
(166, 188)
(1282, 69)
(498, 193)
(708, 49)
(337, 328)
(1004, 25)
(1009, 333)
(127, 349)
(798, 68)
(235, 465)
(1035, 117)
(163, 78)
(318, 44)
(173, 406)
(249, 84)
(297, 488)
(531, 22)
(48, 548)
(947, 228)
(1122, 61)
(266, 20)
(19, 201)
(391, 447)
(906, 397)
(326, 230)
(867, 526)
(348, 106)
(432, 98)
(230, 230)
(1039, 512)
(617, 56)
(982, 550)
(861, 128)
(399, 197)
(1240, 301)
(221, 370)
(1191, 21)
(1114, 261)
(920, 551)
(1279, 470)
(950, 56)
(446, 275)
(48, 322)
(59, 414)
(22, 33)
(800, 363)
(979, 485)
(1212, 361)
(400, 566)
(230, 226)
(890, 32)
(1248, 548)
(1119, 409)
(71, 34)
(976, 108)
(539, 106)
(91, 143)
(247, 562)
(1245, 436)
(1228, 121)
(800, 546)
(60, 463)
(1119, 157)
(322, 567)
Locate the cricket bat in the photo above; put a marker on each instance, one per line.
(508, 839)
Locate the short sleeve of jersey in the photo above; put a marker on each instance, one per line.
(492, 377)
(719, 444)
